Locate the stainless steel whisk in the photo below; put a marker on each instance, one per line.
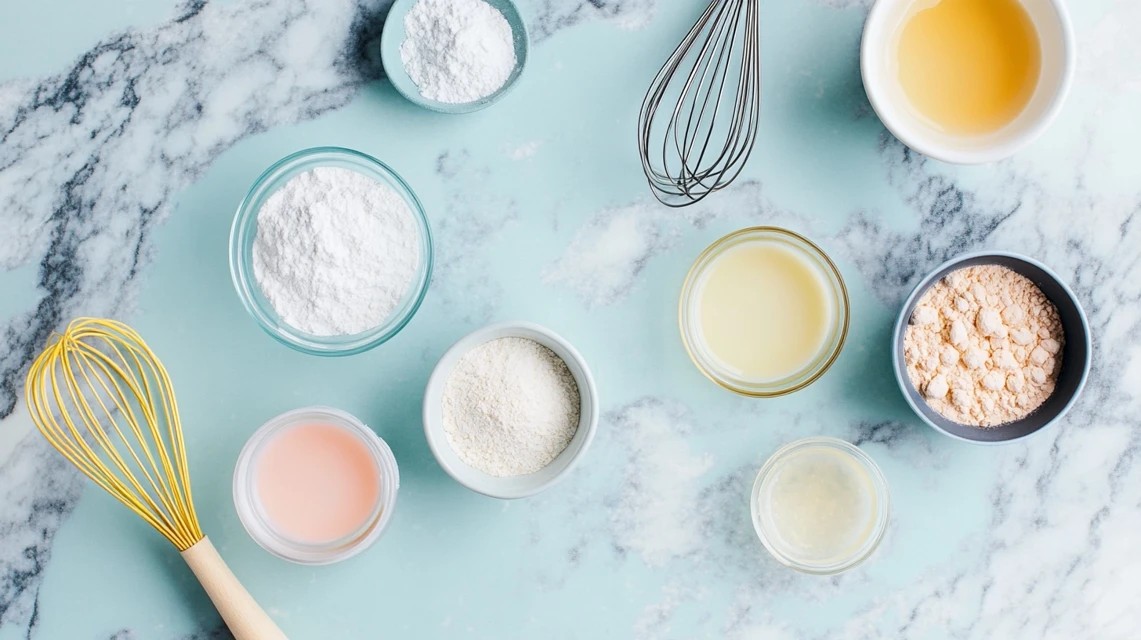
(700, 142)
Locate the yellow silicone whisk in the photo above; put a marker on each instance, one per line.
(102, 398)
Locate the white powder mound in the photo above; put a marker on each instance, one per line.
(510, 407)
(335, 251)
(457, 51)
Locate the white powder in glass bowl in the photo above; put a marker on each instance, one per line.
(335, 251)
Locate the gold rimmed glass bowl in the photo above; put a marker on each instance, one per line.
(836, 306)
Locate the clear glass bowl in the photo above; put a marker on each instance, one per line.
(709, 365)
(880, 509)
(244, 231)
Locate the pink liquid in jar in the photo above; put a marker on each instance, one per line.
(317, 483)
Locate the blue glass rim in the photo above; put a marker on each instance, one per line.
(244, 230)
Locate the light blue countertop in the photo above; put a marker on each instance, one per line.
(130, 130)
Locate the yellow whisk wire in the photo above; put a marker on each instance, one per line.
(103, 399)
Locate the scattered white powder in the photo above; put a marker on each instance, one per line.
(457, 51)
(510, 407)
(606, 259)
(984, 346)
(524, 151)
(606, 256)
(335, 251)
(662, 513)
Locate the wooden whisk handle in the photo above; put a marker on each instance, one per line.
(246, 620)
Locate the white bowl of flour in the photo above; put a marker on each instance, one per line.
(331, 252)
(510, 409)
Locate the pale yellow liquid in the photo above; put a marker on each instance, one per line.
(818, 506)
(969, 67)
(764, 310)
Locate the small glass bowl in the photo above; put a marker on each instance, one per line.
(244, 231)
(882, 507)
(709, 365)
(252, 514)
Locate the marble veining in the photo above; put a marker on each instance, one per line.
(554, 15)
(1036, 559)
(460, 236)
(150, 109)
(219, 633)
(39, 490)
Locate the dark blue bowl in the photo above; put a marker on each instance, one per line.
(1076, 353)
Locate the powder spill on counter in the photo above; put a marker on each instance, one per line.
(335, 251)
(984, 346)
(457, 51)
(510, 407)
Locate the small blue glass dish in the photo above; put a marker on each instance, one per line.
(393, 36)
(244, 231)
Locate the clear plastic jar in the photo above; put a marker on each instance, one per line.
(820, 505)
(261, 527)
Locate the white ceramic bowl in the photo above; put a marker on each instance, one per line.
(877, 56)
(515, 486)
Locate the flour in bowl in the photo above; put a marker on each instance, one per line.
(457, 51)
(510, 407)
(335, 251)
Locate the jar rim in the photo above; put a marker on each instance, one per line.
(262, 529)
(882, 510)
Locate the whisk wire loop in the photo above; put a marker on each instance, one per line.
(104, 400)
(700, 143)
(104, 369)
(716, 44)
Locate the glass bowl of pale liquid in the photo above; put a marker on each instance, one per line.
(820, 505)
(763, 312)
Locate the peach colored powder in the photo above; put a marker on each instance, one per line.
(317, 483)
(984, 346)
